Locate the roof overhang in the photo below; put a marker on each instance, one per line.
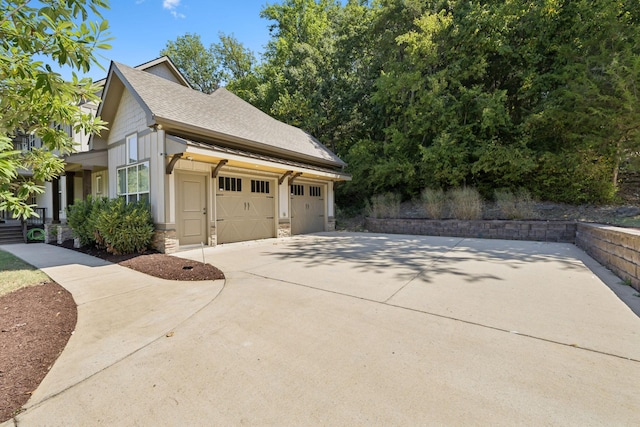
(88, 160)
(191, 131)
(247, 160)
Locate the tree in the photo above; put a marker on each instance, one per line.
(237, 64)
(200, 65)
(33, 97)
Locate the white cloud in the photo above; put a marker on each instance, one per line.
(171, 6)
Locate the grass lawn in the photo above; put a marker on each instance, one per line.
(17, 274)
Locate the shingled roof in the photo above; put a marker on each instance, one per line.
(221, 115)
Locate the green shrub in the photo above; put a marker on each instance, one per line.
(465, 203)
(384, 206)
(125, 228)
(119, 227)
(82, 216)
(77, 218)
(518, 205)
(434, 202)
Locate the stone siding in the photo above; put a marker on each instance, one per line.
(165, 241)
(616, 248)
(284, 229)
(539, 231)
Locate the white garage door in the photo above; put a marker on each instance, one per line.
(245, 208)
(307, 208)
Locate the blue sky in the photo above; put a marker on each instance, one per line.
(141, 28)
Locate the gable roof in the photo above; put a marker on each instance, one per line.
(161, 61)
(221, 117)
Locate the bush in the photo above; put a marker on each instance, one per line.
(434, 202)
(125, 228)
(518, 205)
(384, 206)
(82, 216)
(465, 203)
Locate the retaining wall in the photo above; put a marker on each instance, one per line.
(616, 248)
(539, 231)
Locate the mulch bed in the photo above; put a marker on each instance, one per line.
(35, 324)
(156, 264)
(37, 321)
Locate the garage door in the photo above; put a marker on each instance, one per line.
(245, 208)
(307, 208)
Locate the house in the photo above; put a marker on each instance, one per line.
(213, 168)
(76, 182)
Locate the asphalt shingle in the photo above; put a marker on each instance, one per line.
(224, 113)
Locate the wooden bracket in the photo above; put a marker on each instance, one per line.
(283, 177)
(173, 162)
(214, 171)
(294, 176)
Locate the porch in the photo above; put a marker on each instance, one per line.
(14, 230)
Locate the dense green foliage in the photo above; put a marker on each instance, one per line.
(206, 68)
(533, 94)
(120, 227)
(33, 97)
(125, 227)
(82, 216)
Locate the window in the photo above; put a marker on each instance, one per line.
(133, 182)
(259, 186)
(98, 184)
(226, 183)
(31, 141)
(315, 191)
(297, 190)
(132, 148)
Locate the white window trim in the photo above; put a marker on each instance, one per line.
(129, 138)
(126, 194)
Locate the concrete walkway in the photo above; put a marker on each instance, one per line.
(347, 329)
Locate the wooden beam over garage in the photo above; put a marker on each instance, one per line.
(283, 177)
(173, 162)
(294, 176)
(214, 171)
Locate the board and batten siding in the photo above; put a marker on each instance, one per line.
(130, 117)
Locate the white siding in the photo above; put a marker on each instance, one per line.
(117, 158)
(81, 139)
(150, 148)
(283, 188)
(129, 118)
(161, 70)
(104, 176)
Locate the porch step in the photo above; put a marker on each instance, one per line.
(11, 234)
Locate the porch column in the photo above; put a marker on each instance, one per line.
(70, 187)
(55, 194)
(86, 184)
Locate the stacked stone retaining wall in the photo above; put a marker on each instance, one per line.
(616, 248)
(539, 231)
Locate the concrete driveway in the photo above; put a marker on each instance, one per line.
(357, 329)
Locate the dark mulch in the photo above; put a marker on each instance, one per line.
(35, 324)
(156, 264)
(37, 321)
